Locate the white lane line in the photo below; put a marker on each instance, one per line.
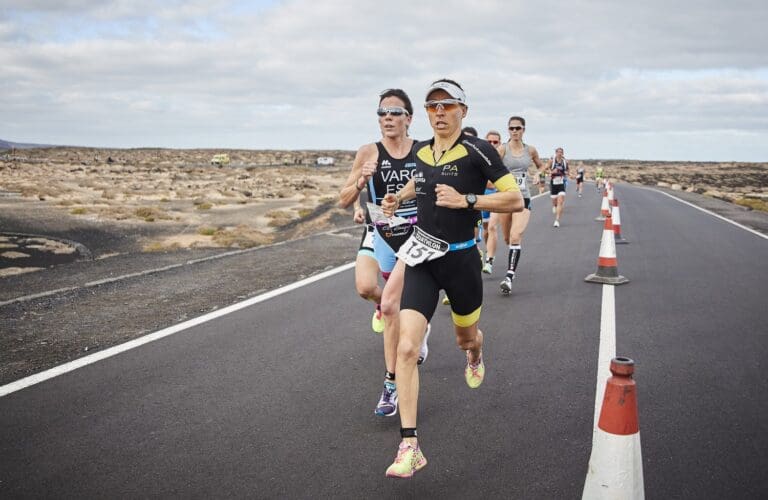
(607, 349)
(147, 272)
(151, 337)
(713, 214)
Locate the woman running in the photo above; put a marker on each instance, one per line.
(558, 172)
(384, 167)
(517, 157)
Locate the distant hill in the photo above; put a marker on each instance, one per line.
(19, 145)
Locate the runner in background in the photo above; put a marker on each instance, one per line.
(580, 180)
(490, 232)
(558, 172)
(599, 182)
(517, 157)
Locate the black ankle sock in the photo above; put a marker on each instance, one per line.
(408, 432)
(389, 376)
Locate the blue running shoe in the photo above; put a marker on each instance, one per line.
(387, 406)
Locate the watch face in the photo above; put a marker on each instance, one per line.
(471, 198)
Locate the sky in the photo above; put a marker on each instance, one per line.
(652, 80)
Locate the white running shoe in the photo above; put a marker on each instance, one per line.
(487, 268)
(556, 224)
(506, 285)
(424, 350)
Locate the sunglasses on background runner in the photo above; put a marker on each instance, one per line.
(514, 129)
(495, 143)
(392, 111)
(448, 105)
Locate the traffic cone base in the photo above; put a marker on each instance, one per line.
(616, 470)
(607, 267)
(605, 280)
(616, 463)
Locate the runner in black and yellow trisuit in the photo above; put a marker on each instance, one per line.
(452, 171)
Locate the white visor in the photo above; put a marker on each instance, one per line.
(453, 90)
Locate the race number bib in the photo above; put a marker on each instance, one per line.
(421, 247)
(378, 217)
(520, 180)
(556, 181)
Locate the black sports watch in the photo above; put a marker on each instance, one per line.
(471, 200)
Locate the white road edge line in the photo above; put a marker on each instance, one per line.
(607, 349)
(151, 337)
(713, 214)
(147, 272)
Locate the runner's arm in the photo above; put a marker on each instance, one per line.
(390, 202)
(508, 199)
(355, 182)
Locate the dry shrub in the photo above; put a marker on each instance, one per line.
(305, 212)
(753, 203)
(206, 231)
(78, 211)
(204, 206)
(144, 212)
(278, 214)
(159, 247)
(150, 214)
(241, 236)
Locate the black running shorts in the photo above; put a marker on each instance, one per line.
(458, 273)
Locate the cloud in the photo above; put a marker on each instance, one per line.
(306, 74)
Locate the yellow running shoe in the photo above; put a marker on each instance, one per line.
(409, 459)
(474, 374)
(446, 300)
(377, 321)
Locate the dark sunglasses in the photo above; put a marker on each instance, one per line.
(494, 142)
(392, 111)
(514, 129)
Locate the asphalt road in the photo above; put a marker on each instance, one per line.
(276, 400)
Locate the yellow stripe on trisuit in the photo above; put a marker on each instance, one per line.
(466, 319)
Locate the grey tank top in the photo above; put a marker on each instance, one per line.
(518, 166)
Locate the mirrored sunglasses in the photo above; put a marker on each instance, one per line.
(396, 111)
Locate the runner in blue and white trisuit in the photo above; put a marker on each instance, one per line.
(558, 172)
(517, 157)
(384, 167)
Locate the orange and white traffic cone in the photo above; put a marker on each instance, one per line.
(616, 216)
(605, 207)
(616, 464)
(607, 265)
(611, 194)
